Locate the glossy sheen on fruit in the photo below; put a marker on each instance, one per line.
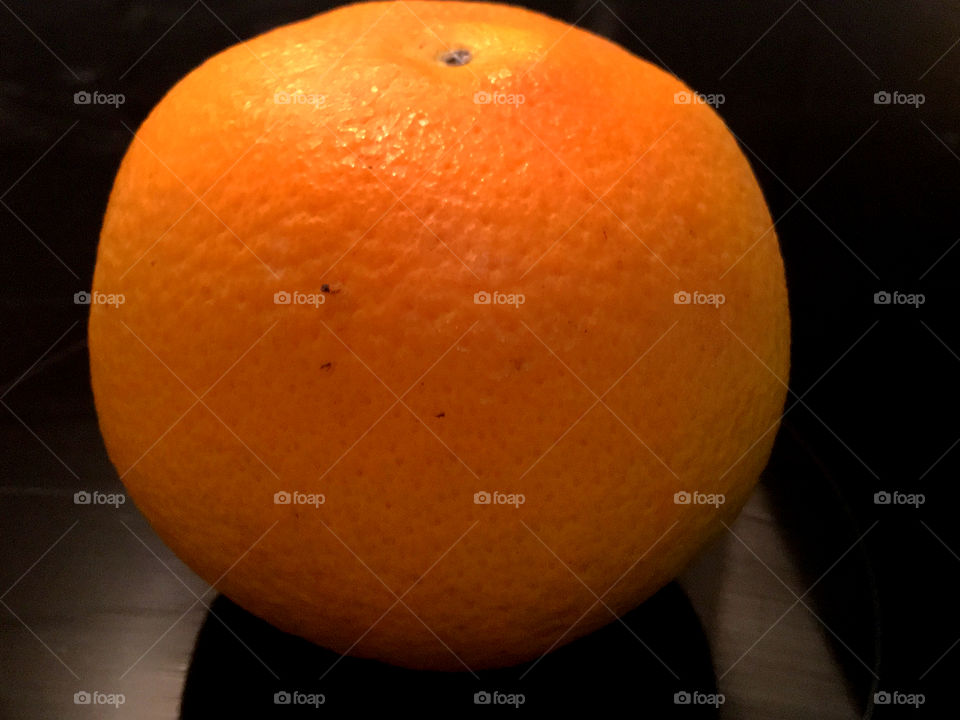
(387, 192)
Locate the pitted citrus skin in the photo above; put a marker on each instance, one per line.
(341, 160)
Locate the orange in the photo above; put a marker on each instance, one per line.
(399, 259)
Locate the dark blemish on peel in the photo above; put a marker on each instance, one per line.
(456, 58)
(440, 415)
(325, 288)
(326, 366)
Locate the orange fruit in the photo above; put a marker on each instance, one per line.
(389, 263)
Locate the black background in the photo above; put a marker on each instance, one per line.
(865, 197)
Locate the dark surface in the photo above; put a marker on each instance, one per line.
(865, 197)
(602, 673)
